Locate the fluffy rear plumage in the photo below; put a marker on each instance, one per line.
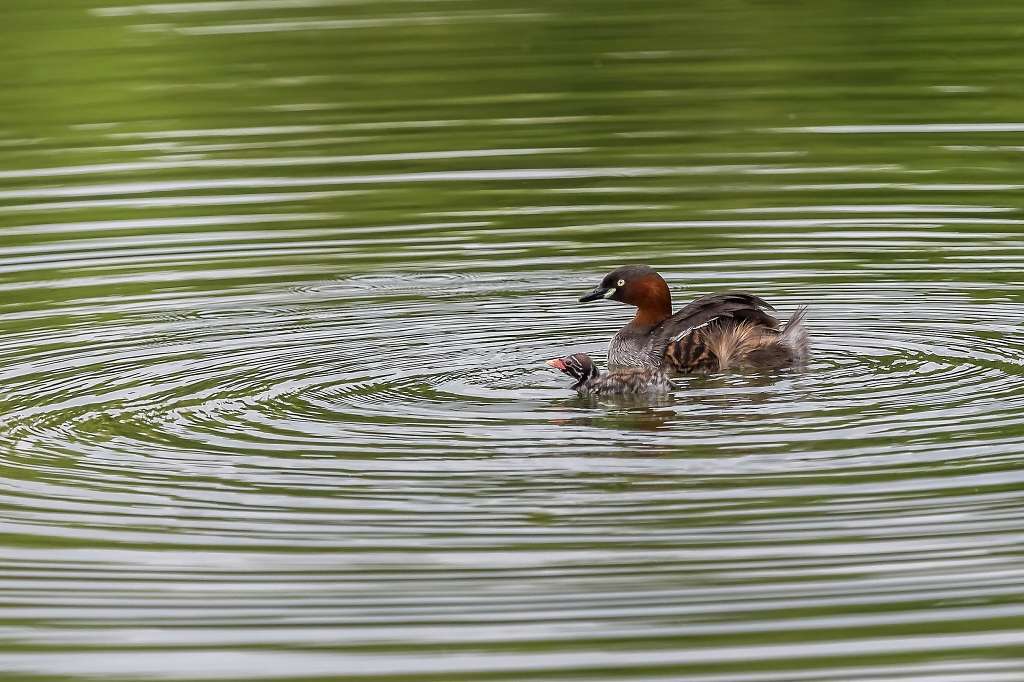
(726, 343)
(732, 344)
(794, 336)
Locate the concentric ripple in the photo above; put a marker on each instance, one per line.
(279, 279)
(444, 365)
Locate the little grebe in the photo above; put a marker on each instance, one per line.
(713, 333)
(589, 380)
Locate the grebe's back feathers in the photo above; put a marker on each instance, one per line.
(733, 305)
(730, 342)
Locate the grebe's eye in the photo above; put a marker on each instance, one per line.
(621, 283)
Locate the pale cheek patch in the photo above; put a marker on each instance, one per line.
(610, 292)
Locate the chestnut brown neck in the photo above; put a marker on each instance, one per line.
(653, 302)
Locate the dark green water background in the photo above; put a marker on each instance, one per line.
(277, 278)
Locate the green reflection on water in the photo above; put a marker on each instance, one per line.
(177, 180)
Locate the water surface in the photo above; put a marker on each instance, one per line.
(279, 277)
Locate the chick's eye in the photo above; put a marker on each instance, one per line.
(621, 283)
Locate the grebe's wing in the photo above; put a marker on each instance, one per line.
(732, 305)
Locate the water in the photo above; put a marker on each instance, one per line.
(279, 277)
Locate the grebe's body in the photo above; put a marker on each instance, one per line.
(716, 332)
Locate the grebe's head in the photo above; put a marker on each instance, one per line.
(578, 365)
(637, 285)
